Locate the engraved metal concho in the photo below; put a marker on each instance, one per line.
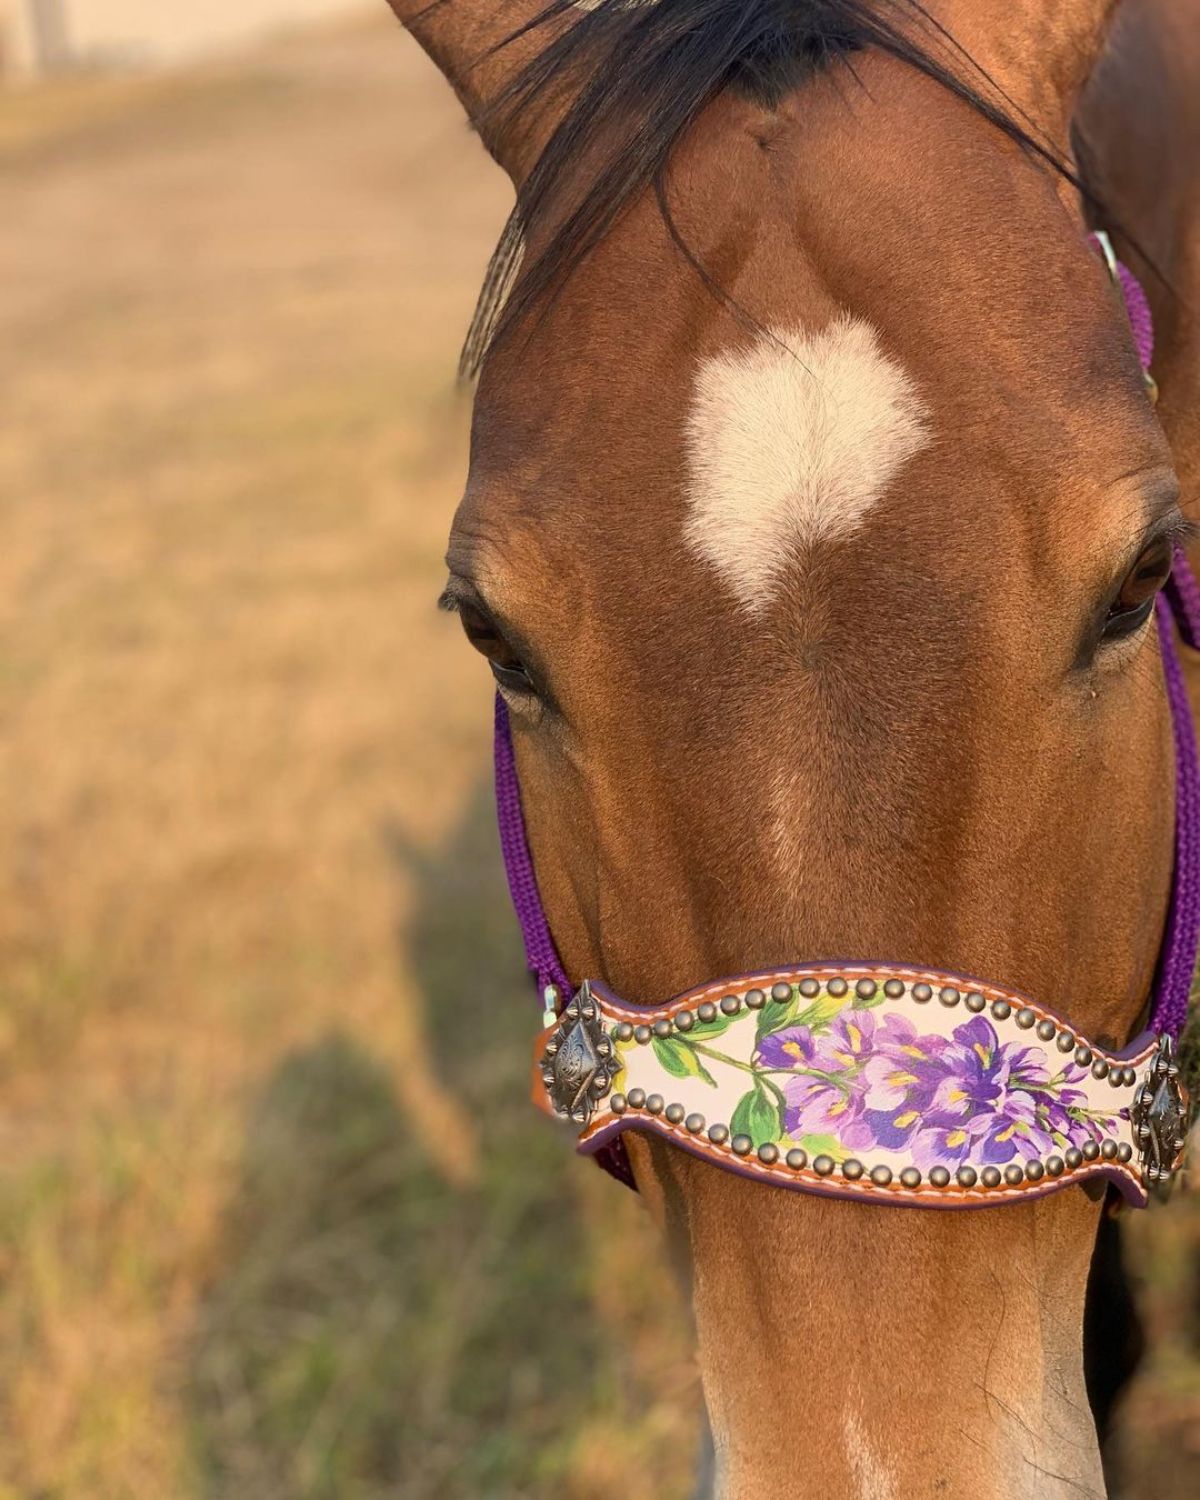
(578, 1065)
(1159, 1114)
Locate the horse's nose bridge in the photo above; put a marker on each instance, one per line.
(734, 859)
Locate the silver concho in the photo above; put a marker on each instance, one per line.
(578, 1065)
(1159, 1114)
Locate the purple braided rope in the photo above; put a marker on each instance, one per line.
(541, 956)
(1137, 305)
(1177, 962)
(1183, 595)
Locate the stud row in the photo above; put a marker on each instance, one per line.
(1121, 1076)
(852, 1169)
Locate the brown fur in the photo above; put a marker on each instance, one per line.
(961, 791)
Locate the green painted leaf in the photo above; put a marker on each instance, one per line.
(757, 1115)
(703, 1031)
(822, 1145)
(774, 1017)
(822, 1010)
(679, 1059)
(876, 999)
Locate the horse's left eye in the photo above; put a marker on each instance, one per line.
(507, 667)
(1131, 608)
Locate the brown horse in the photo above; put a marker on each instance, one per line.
(815, 515)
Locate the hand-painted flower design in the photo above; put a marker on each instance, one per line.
(875, 1080)
(819, 1096)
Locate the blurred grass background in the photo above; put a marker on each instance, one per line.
(258, 974)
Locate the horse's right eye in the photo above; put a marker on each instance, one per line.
(507, 667)
(1131, 608)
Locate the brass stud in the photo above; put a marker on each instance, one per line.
(865, 989)
(1025, 1018)
(1065, 1041)
(1001, 1009)
(730, 1004)
(1034, 1171)
(641, 1034)
(967, 1177)
(974, 1001)
(706, 1011)
(655, 1103)
(948, 995)
(1108, 1150)
(881, 1176)
(1074, 1157)
(623, 1031)
(1046, 1030)
(837, 986)
(810, 988)
(990, 1177)
(637, 1098)
(852, 1169)
(684, 1020)
(675, 1113)
(823, 1165)
(1091, 1150)
(1014, 1175)
(695, 1123)
(922, 993)
(940, 1177)
(780, 992)
(894, 988)
(1124, 1151)
(662, 1028)
(768, 1154)
(1099, 1068)
(742, 1145)
(797, 1159)
(1083, 1056)
(755, 999)
(617, 1104)
(718, 1134)
(1055, 1165)
(911, 1177)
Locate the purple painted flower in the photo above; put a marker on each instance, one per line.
(822, 1097)
(793, 1047)
(900, 1079)
(874, 1080)
(825, 1105)
(946, 1145)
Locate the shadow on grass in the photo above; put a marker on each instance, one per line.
(371, 1330)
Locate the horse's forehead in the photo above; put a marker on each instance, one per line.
(852, 337)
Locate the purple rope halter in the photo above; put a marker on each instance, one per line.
(1177, 608)
(541, 956)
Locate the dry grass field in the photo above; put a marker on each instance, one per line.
(258, 975)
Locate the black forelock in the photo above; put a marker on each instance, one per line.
(642, 71)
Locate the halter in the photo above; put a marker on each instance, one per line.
(878, 1081)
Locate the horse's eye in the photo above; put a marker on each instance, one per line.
(1131, 608)
(507, 667)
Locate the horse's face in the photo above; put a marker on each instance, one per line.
(833, 638)
(822, 624)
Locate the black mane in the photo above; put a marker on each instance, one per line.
(643, 71)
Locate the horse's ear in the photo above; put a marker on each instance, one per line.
(480, 48)
(1040, 52)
